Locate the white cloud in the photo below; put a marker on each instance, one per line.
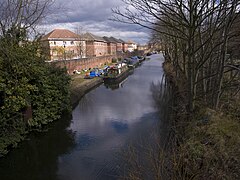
(93, 16)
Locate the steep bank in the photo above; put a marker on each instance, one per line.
(206, 143)
(80, 86)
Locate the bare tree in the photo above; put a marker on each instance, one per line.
(195, 35)
(18, 16)
(81, 44)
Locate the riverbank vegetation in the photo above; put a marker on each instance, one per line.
(200, 42)
(32, 93)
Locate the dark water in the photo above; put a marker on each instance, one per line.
(87, 145)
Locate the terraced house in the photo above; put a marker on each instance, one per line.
(111, 46)
(118, 44)
(124, 45)
(63, 44)
(95, 45)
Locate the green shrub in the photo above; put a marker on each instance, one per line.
(27, 81)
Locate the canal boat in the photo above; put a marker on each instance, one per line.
(141, 58)
(116, 74)
(133, 62)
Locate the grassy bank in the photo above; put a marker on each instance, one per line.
(202, 145)
(206, 142)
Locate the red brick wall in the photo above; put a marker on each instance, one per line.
(91, 62)
(84, 63)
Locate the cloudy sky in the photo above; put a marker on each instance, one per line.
(92, 16)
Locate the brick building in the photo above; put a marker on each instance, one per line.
(124, 45)
(119, 45)
(95, 45)
(62, 44)
(111, 46)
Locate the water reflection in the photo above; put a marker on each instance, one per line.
(114, 86)
(37, 157)
(83, 141)
(119, 127)
(111, 119)
(118, 84)
(144, 156)
(163, 98)
(103, 122)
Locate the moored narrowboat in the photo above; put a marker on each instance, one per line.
(116, 73)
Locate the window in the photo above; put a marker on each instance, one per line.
(72, 42)
(54, 43)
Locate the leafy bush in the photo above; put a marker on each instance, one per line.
(27, 81)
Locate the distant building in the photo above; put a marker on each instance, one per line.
(111, 46)
(131, 46)
(142, 47)
(62, 44)
(118, 43)
(124, 45)
(95, 45)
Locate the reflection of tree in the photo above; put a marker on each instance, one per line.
(152, 143)
(163, 99)
(38, 157)
(112, 86)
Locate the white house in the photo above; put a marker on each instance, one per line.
(131, 46)
(62, 44)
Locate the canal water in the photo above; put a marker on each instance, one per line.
(87, 145)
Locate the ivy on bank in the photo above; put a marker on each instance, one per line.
(27, 82)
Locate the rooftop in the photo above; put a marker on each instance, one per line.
(121, 40)
(60, 34)
(92, 37)
(115, 40)
(131, 42)
(107, 39)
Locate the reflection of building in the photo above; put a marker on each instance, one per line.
(62, 44)
(131, 46)
(96, 46)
